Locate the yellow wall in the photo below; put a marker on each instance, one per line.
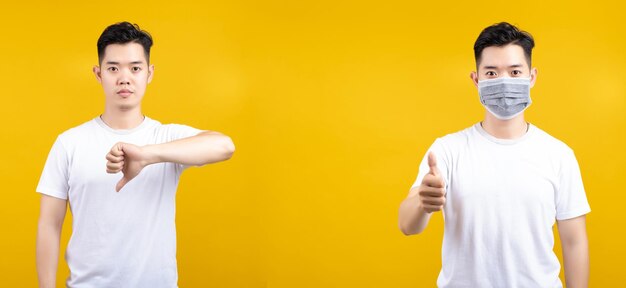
(331, 107)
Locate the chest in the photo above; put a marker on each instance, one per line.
(87, 163)
(502, 179)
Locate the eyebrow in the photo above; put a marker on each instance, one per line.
(118, 63)
(510, 66)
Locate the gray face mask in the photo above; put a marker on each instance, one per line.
(505, 98)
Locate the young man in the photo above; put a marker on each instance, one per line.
(501, 184)
(123, 228)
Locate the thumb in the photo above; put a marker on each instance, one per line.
(121, 184)
(432, 163)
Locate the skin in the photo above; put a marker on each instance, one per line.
(430, 196)
(124, 74)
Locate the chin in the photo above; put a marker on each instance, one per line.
(129, 103)
(127, 106)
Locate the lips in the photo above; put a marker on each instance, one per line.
(124, 92)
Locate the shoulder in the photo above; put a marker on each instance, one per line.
(172, 131)
(173, 128)
(456, 139)
(77, 133)
(167, 126)
(555, 151)
(551, 143)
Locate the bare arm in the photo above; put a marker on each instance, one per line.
(51, 216)
(204, 148)
(413, 218)
(429, 197)
(573, 234)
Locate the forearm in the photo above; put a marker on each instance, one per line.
(412, 219)
(576, 263)
(204, 148)
(48, 239)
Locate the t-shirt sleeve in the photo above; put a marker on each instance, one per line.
(442, 163)
(571, 198)
(54, 179)
(178, 131)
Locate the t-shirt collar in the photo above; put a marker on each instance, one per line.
(106, 127)
(485, 134)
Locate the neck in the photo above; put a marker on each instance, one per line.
(125, 119)
(505, 129)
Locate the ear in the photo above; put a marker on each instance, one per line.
(474, 77)
(533, 77)
(150, 72)
(96, 71)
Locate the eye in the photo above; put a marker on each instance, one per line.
(112, 69)
(136, 69)
(516, 72)
(491, 73)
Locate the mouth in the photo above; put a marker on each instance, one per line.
(124, 93)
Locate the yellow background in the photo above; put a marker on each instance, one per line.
(331, 105)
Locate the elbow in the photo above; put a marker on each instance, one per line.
(228, 147)
(574, 242)
(408, 222)
(218, 147)
(221, 151)
(406, 230)
(45, 227)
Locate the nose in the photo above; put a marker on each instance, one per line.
(124, 78)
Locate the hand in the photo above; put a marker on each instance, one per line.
(127, 158)
(432, 192)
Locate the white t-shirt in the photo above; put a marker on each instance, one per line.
(503, 197)
(125, 239)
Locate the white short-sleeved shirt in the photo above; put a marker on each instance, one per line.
(125, 239)
(503, 197)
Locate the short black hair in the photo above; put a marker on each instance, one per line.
(122, 33)
(502, 34)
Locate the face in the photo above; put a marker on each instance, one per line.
(505, 61)
(124, 74)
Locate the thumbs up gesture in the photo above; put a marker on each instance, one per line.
(432, 193)
(127, 158)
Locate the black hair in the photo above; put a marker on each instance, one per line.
(122, 33)
(502, 34)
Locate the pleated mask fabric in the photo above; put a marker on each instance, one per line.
(505, 97)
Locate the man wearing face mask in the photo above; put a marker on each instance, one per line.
(502, 183)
